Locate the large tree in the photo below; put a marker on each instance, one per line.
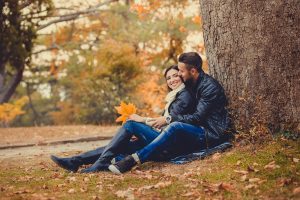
(253, 49)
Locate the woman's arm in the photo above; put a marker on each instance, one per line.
(137, 118)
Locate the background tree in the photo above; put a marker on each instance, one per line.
(18, 30)
(70, 65)
(254, 50)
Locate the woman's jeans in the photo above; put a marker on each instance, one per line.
(121, 143)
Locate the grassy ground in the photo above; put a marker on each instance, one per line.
(269, 171)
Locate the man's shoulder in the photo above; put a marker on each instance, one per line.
(185, 93)
(209, 82)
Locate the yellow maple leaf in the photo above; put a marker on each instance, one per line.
(125, 110)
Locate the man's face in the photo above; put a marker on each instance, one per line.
(184, 72)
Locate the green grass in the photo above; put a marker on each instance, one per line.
(203, 177)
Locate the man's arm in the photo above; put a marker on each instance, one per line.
(207, 99)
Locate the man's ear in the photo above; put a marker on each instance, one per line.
(193, 71)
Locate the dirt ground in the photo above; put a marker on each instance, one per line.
(41, 135)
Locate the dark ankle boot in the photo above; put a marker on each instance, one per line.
(71, 164)
(100, 165)
(117, 145)
(123, 165)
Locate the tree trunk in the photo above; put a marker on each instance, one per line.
(253, 49)
(6, 91)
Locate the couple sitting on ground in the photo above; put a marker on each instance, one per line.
(195, 118)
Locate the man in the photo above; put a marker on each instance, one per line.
(207, 127)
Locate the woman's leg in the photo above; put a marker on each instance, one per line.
(120, 142)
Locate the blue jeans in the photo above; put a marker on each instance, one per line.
(121, 144)
(177, 139)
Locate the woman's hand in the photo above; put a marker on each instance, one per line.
(137, 118)
(159, 122)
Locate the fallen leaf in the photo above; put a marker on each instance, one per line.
(295, 160)
(226, 186)
(284, 181)
(128, 194)
(271, 166)
(244, 177)
(22, 191)
(241, 172)
(61, 185)
(83, 189)
(238, 163)
(216, 156)
(86, 179)
(252, 169)
(254, 180)
(211, 188)
(73, 178)
(250, 186)
(147, 187)
(296, 191)
(189, 194)
(71, 191)
(162, 184)
(95, 198)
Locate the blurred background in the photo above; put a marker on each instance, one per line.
(79, 59)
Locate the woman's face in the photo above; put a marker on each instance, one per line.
(173, 79)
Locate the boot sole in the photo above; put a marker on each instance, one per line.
(114, 170)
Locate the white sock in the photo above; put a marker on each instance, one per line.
(136, 158)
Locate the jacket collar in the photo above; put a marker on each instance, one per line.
(198, 81)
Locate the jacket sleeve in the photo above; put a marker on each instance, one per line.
(207, 98)
(182, 104)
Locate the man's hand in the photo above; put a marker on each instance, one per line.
(137, 118)
(159, 122)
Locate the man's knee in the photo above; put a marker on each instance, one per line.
(175, 125)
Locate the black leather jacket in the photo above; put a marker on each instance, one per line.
(183, 104)
(211, 112)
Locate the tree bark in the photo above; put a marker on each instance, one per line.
(253, 49)
(8, 91)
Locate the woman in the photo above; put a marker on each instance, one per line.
(178, 101)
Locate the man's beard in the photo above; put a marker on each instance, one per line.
(189, 82)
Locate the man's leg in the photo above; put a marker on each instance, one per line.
(186, 137)
(119, 143)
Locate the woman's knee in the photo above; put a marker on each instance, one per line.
(132, 125)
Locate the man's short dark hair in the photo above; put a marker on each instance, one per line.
(192, 60)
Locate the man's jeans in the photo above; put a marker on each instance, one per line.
(178, 139)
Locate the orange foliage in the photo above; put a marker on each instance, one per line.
(152, 95)
(182, 29)
(8, 111)
(196, 19)
(66, 114)
(125, 110)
